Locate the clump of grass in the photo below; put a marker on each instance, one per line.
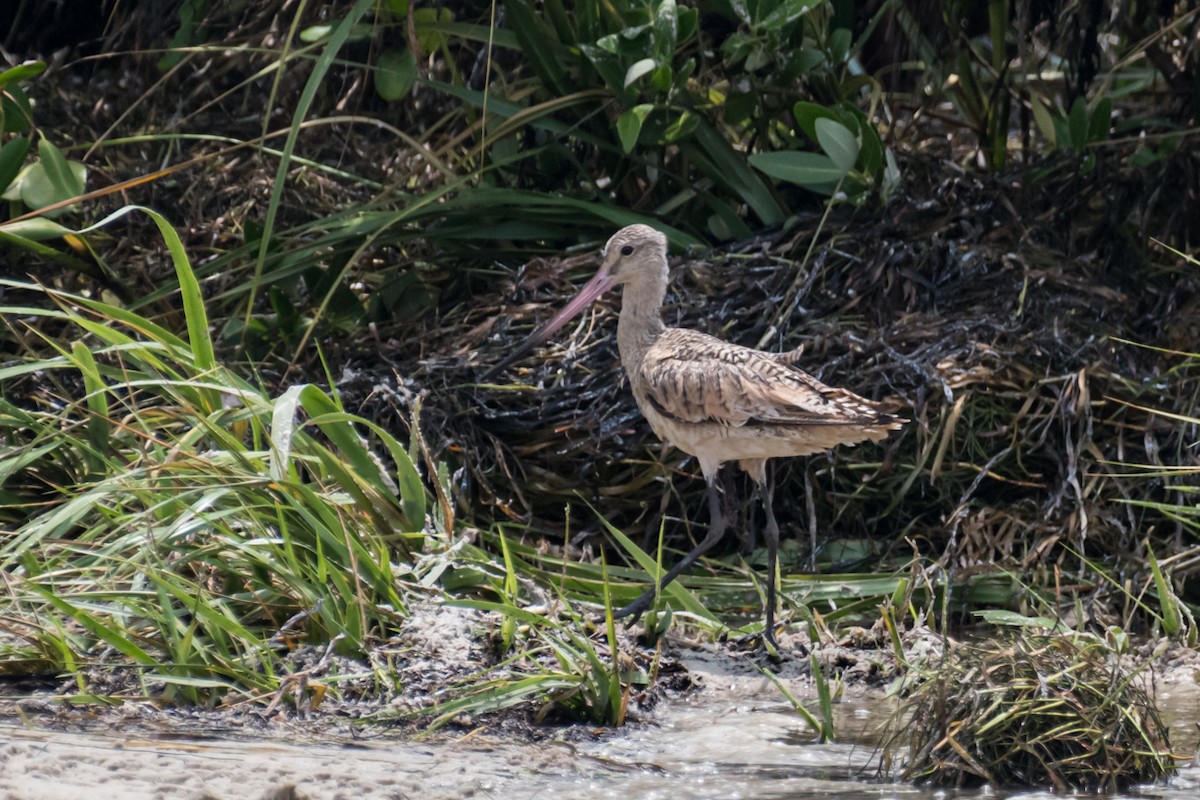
(1034, 709)
(167, 516)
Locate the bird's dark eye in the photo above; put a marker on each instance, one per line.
(627, 250)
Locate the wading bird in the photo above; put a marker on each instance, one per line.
(715, 400)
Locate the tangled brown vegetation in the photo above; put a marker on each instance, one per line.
(1031, 369)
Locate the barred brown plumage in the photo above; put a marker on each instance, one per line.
(715, 400)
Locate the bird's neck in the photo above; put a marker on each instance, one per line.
(641, 322)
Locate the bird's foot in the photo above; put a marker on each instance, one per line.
(656, 624)
(771, 645)
(765, 641)
(635, 609)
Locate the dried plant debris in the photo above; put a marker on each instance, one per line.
(1004, 351)
(1033, 709)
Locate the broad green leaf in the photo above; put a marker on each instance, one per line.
(839, 45)
(42, 184)
(788, 12)
(608, 65)
(661, 78)
(805, 169)
(1100, 120)
(37, 229)
(315, 33)
(16, 112)
(610, 44)
(1062, 134)
(807, 114)
(871, 155)
(638, 69)
(759, 57)
(629, 125)
(838, 143)
(21, 72)
(1045, 123)
(682, 127)
(666, 28)
(12, 156)
(808, 59)
(395, 74)
(68, 179)
(688, 22)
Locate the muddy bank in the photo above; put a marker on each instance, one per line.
(730, 732)
(732, 735)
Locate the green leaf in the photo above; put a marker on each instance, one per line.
(68, 178)
(638, 69)
(838, 143)
(871, 156)
(1042, 118)
(688, 22)
(807, 114)
(1077, 124)
(629, 125)
(788, 12)
(1172, 620)
(807, 59)
(661, 78)
(727, 167)
(1100, 120)
(666, 28)
(805, 169)
(37, 229)
(891, 176)
(759, 57)
(395, 74)
(22, 72)
(425, 20)
(50, 180)
(839, 45)
(541, 46)
(16, 113)
(315, 33)
(682, 127)
(1012, 619)
(12, 156)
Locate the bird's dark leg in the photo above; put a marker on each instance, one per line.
(772, 536)
(716, 529)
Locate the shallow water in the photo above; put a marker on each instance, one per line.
(736, 738)
(763, 751)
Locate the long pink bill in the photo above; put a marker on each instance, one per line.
(597, 286)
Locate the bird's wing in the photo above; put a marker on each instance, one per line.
(693, 377)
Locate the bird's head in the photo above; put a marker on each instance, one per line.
(633, 251)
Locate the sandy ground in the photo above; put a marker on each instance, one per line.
(59, 765)
(695, 743)
(733, 734)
